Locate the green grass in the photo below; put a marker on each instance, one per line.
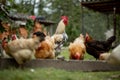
(57, 74)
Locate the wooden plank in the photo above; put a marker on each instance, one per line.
(72, 65)
(102, 6)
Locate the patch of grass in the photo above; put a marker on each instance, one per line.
(65, 53)
(54, 74)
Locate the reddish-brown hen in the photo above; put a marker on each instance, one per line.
(77, 48)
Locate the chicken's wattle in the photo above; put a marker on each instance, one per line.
(77, 56)
(14, 37)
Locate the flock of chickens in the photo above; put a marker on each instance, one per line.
(45, 47)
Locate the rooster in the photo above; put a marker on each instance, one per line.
(22, 50)
(96, 47)
(60, 35)
(113, 57)
(60, 31)
(61, 25)
(77, 48)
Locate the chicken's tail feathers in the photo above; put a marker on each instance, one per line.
(111, 39)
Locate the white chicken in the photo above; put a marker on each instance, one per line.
(113, 57)
(22, 50)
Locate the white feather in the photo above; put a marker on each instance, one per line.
(114, 57)
(60, 28)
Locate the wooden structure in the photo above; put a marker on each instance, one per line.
(103, 6)
(21, 18)
(24, 17)
(71, 65)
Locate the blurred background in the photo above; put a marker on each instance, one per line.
(95, 23)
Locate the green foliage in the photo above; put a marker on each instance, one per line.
(1, 28)
(24, 6)
(29, 24)
(118, 29)
(70, 8)
(93, 22)
(3, 18)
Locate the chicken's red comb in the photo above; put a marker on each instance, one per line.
(64, 17)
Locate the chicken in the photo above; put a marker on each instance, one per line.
(61, 25)
(57, 39)
(109, 33)
(95, 47)
(113, 57)
(60, 31)
(46, 49)
(104, 56)
(14, 37)
(60, 35)
(77, 48)
(22, 50)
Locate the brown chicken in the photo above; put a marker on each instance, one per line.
(46, 49)
(77, 48)
(96, 47)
